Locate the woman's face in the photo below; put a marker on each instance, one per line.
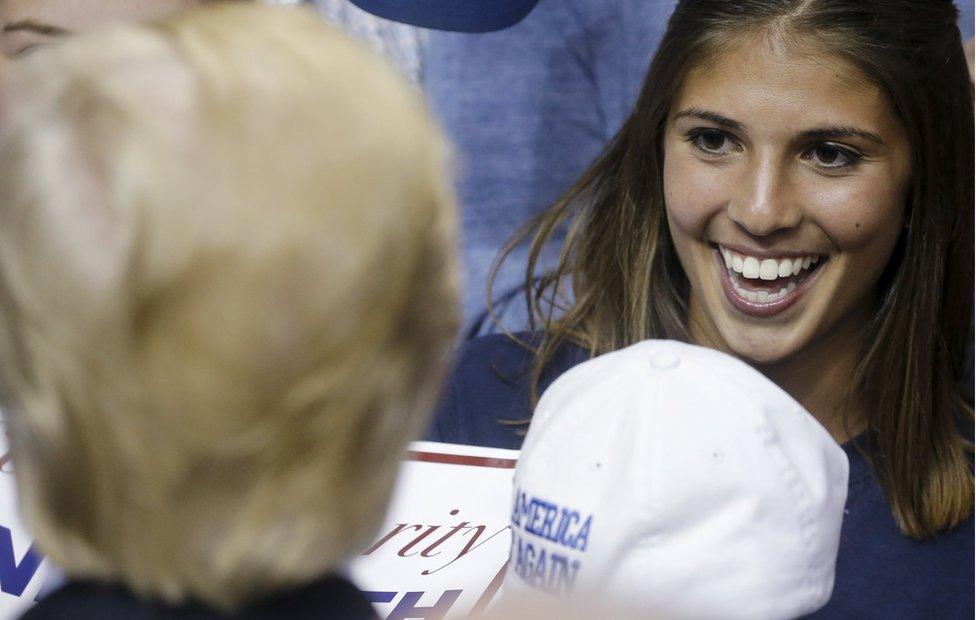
(24, 24)
(785, 180)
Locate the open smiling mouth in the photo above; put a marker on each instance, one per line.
(766, 286)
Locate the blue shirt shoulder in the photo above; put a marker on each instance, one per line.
(488, 398)
(881, 573)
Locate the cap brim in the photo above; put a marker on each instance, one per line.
(455, 15)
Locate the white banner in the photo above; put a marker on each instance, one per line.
(445, 542)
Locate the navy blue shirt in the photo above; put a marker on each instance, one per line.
(881, 573)
(333, 597)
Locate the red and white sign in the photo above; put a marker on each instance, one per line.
(444, 545)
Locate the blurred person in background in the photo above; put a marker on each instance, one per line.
(228, 291)
(25, 24)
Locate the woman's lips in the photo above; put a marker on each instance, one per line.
(770, 294)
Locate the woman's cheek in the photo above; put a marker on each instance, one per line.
(857, 215)
(693, 195)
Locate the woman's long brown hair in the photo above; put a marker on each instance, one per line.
(618, 280)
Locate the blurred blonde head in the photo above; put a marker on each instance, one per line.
(227, 289)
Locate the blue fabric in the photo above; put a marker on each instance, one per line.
(530, 107)
(966, 16)
(880, 573)
(459, 15)
(333, 597)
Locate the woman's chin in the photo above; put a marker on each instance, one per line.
(760, 349)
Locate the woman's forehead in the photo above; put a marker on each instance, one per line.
(760, 82)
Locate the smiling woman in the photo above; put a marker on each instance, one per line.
(793, 187)
(785, 179)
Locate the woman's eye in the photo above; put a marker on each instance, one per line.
(712, 141)
(832, 156)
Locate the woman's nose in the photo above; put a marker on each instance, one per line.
(765, 199)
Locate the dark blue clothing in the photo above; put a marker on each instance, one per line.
(332, 597)
(880, 572)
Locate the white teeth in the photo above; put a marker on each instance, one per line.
(750, 268)
(761, 297)
(754, 268)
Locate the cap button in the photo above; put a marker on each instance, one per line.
(665, 360)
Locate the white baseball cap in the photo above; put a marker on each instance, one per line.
(678, 480)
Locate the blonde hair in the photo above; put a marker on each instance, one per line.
(227, 293)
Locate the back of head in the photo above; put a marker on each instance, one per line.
(228, 289)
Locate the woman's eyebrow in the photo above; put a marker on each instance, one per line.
(835, 131)
(710, 116)
(30, 25)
